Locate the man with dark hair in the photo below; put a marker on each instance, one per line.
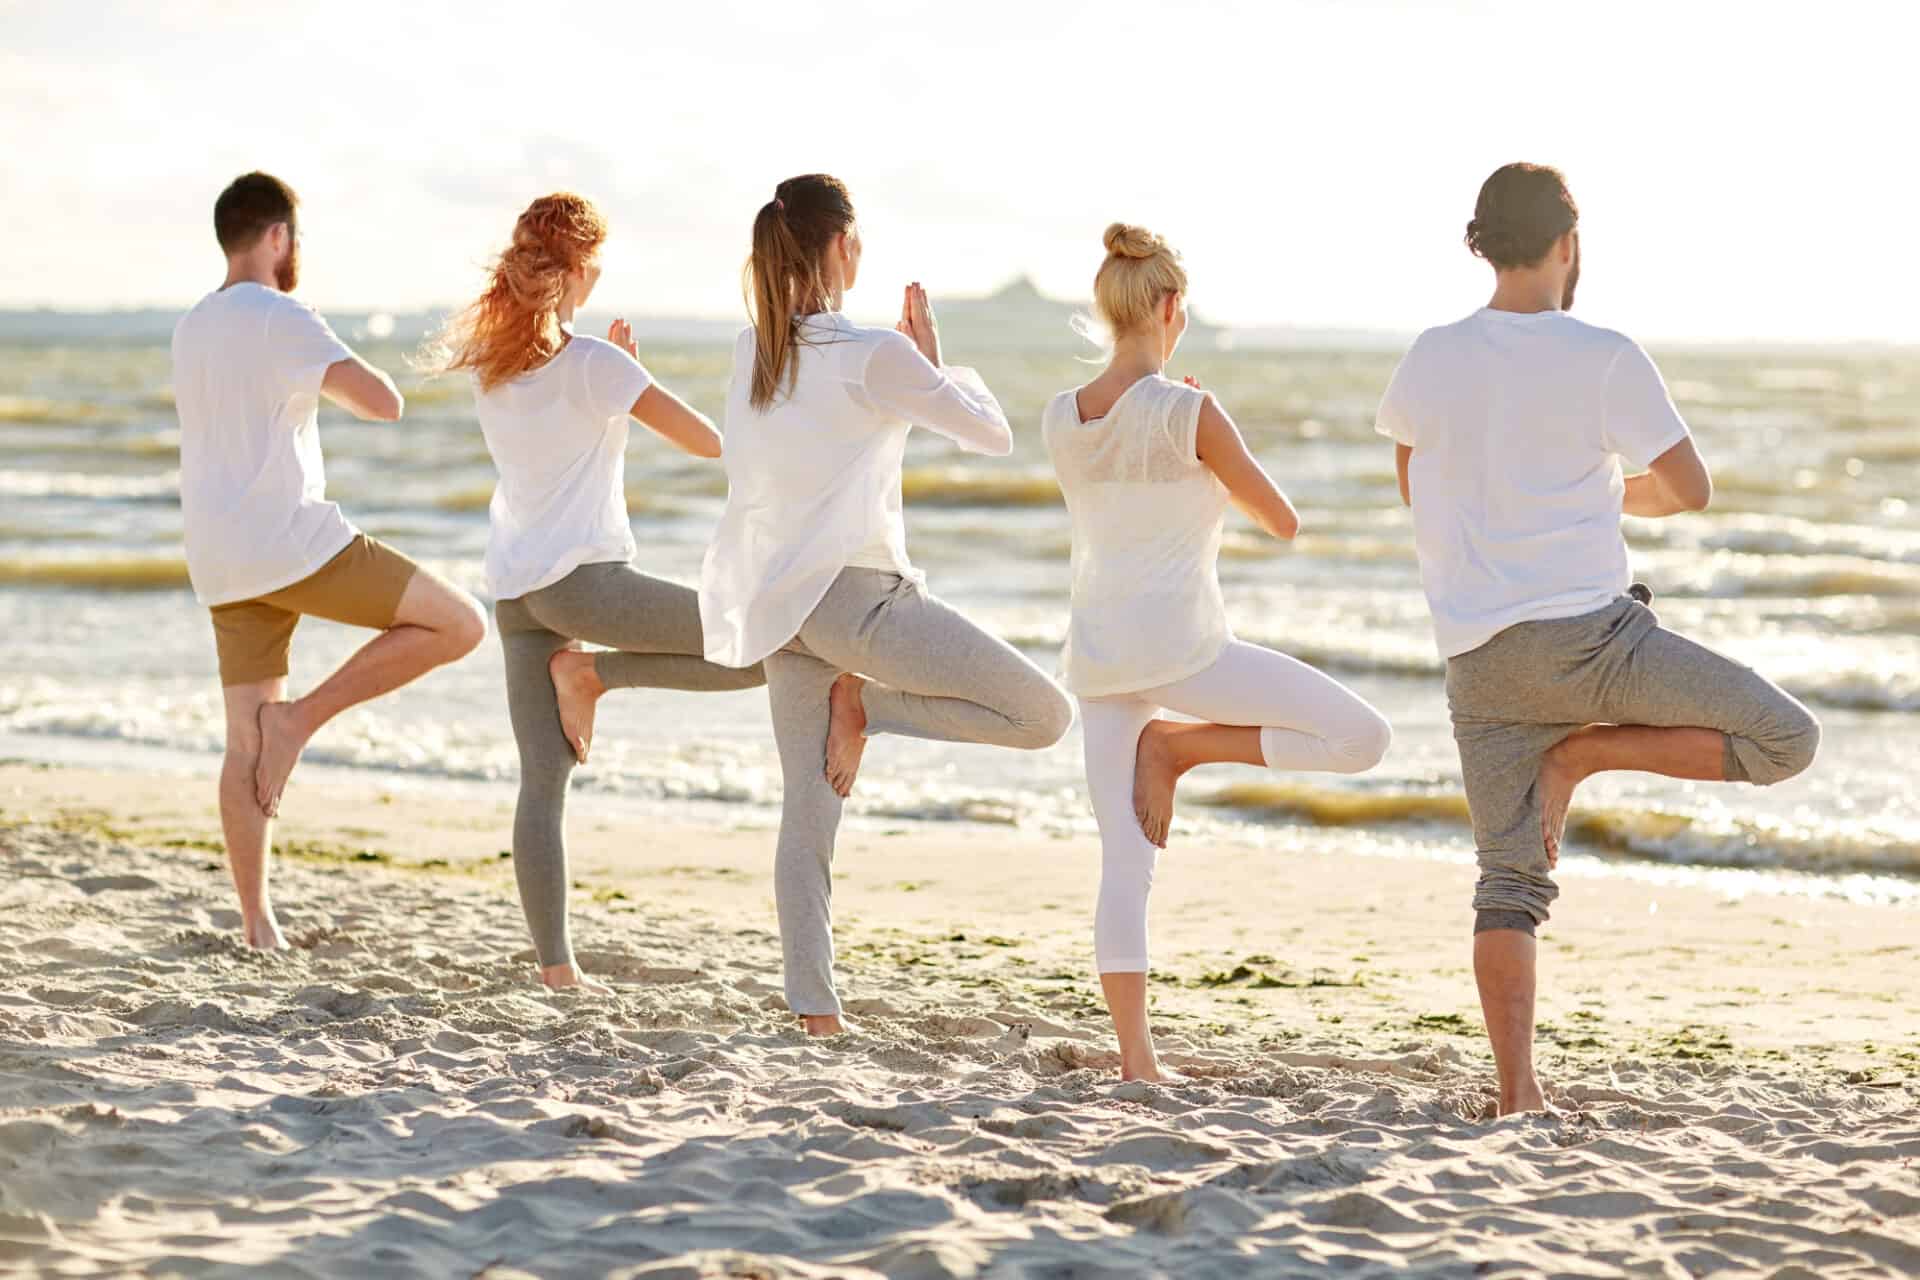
(264, 546)
(1509, 430)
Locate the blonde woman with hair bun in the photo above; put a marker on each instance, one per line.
(1148, 467)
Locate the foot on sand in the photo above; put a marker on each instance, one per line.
(577, 688)
(1559, 775)
(1155, 771)
(823, 1024)
(567, 977)
(263, 933)
(282, 738)
(1528, 1097)
(846, 733)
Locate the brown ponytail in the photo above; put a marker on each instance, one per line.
(782, 280)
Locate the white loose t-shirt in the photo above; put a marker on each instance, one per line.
(1518, 424)
(1147, 520)
(558, 436)
(813, 481)
(247, 366)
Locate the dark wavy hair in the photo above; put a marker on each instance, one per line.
(1522, 210)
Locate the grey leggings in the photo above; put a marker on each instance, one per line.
(655, 626)
(934, 675)
(1521, 692)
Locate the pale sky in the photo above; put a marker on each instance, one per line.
(1744, 170)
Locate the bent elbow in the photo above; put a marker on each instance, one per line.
(1702, 498)
(388, 410)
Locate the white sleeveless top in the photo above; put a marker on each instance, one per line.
(1147, 519)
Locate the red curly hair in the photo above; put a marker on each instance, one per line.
(514, 326)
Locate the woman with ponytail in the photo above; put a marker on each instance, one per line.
(554, 408)
(1148, 467)
(808, 570)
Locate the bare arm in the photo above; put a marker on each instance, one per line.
(362, 390)
(1402, 457)
(677, 422)
(1223, 451)
(1676, 481)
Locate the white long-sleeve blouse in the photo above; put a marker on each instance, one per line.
(813, 481)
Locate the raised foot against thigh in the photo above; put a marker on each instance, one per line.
(576, 689)
(1559, 775)
(846, 732)
(282, 738)
(1156, 770)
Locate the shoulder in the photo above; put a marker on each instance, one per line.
(1598, 337)
(1058, 407)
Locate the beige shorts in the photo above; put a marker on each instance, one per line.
(361, 587)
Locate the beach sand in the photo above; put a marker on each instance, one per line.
(395, 1096)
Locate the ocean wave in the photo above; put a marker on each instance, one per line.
(1774, 535)
(964, 487)
(108, 573)
(1734, 573)
(1654, 834)
(75, 484)
(29, 411)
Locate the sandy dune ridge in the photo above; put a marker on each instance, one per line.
(393, 1097)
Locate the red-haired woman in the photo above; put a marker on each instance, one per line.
(554, 408)
(809, 570)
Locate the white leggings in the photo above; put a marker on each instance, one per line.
(1308, 721)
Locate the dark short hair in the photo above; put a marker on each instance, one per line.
(1522, 210)
(251, 203)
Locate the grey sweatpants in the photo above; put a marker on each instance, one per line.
(1520, 693)
(934, 674)
(655, 626)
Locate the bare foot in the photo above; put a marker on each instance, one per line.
(822, 1024)
(263, 933)
(563, 977)
(846, 733)
(1154, 1073)
(1155, 771)
(577, 688)
(1527, 1097)
(1559, 775)
(281, 741)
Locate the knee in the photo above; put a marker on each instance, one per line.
(1798, 744)
(466, 627)
(1366, 746)
(1052, 717)
(1508, 892)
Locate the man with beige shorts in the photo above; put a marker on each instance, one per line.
(264, 547)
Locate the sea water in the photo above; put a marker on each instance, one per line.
(1807, 567)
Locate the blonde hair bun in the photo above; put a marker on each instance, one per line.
(1140, 270)
(1124, 240)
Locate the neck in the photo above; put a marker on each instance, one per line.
(564, 312)
(1525, 291)
(250, 271)
(1136, 355)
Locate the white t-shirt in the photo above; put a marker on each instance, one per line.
(1147, 520)
(1518, 424)
(558, 436)
(813, 482)
(247, 366)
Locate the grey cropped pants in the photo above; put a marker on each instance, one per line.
(933, 674)
(1520, 693)
(654, 626)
